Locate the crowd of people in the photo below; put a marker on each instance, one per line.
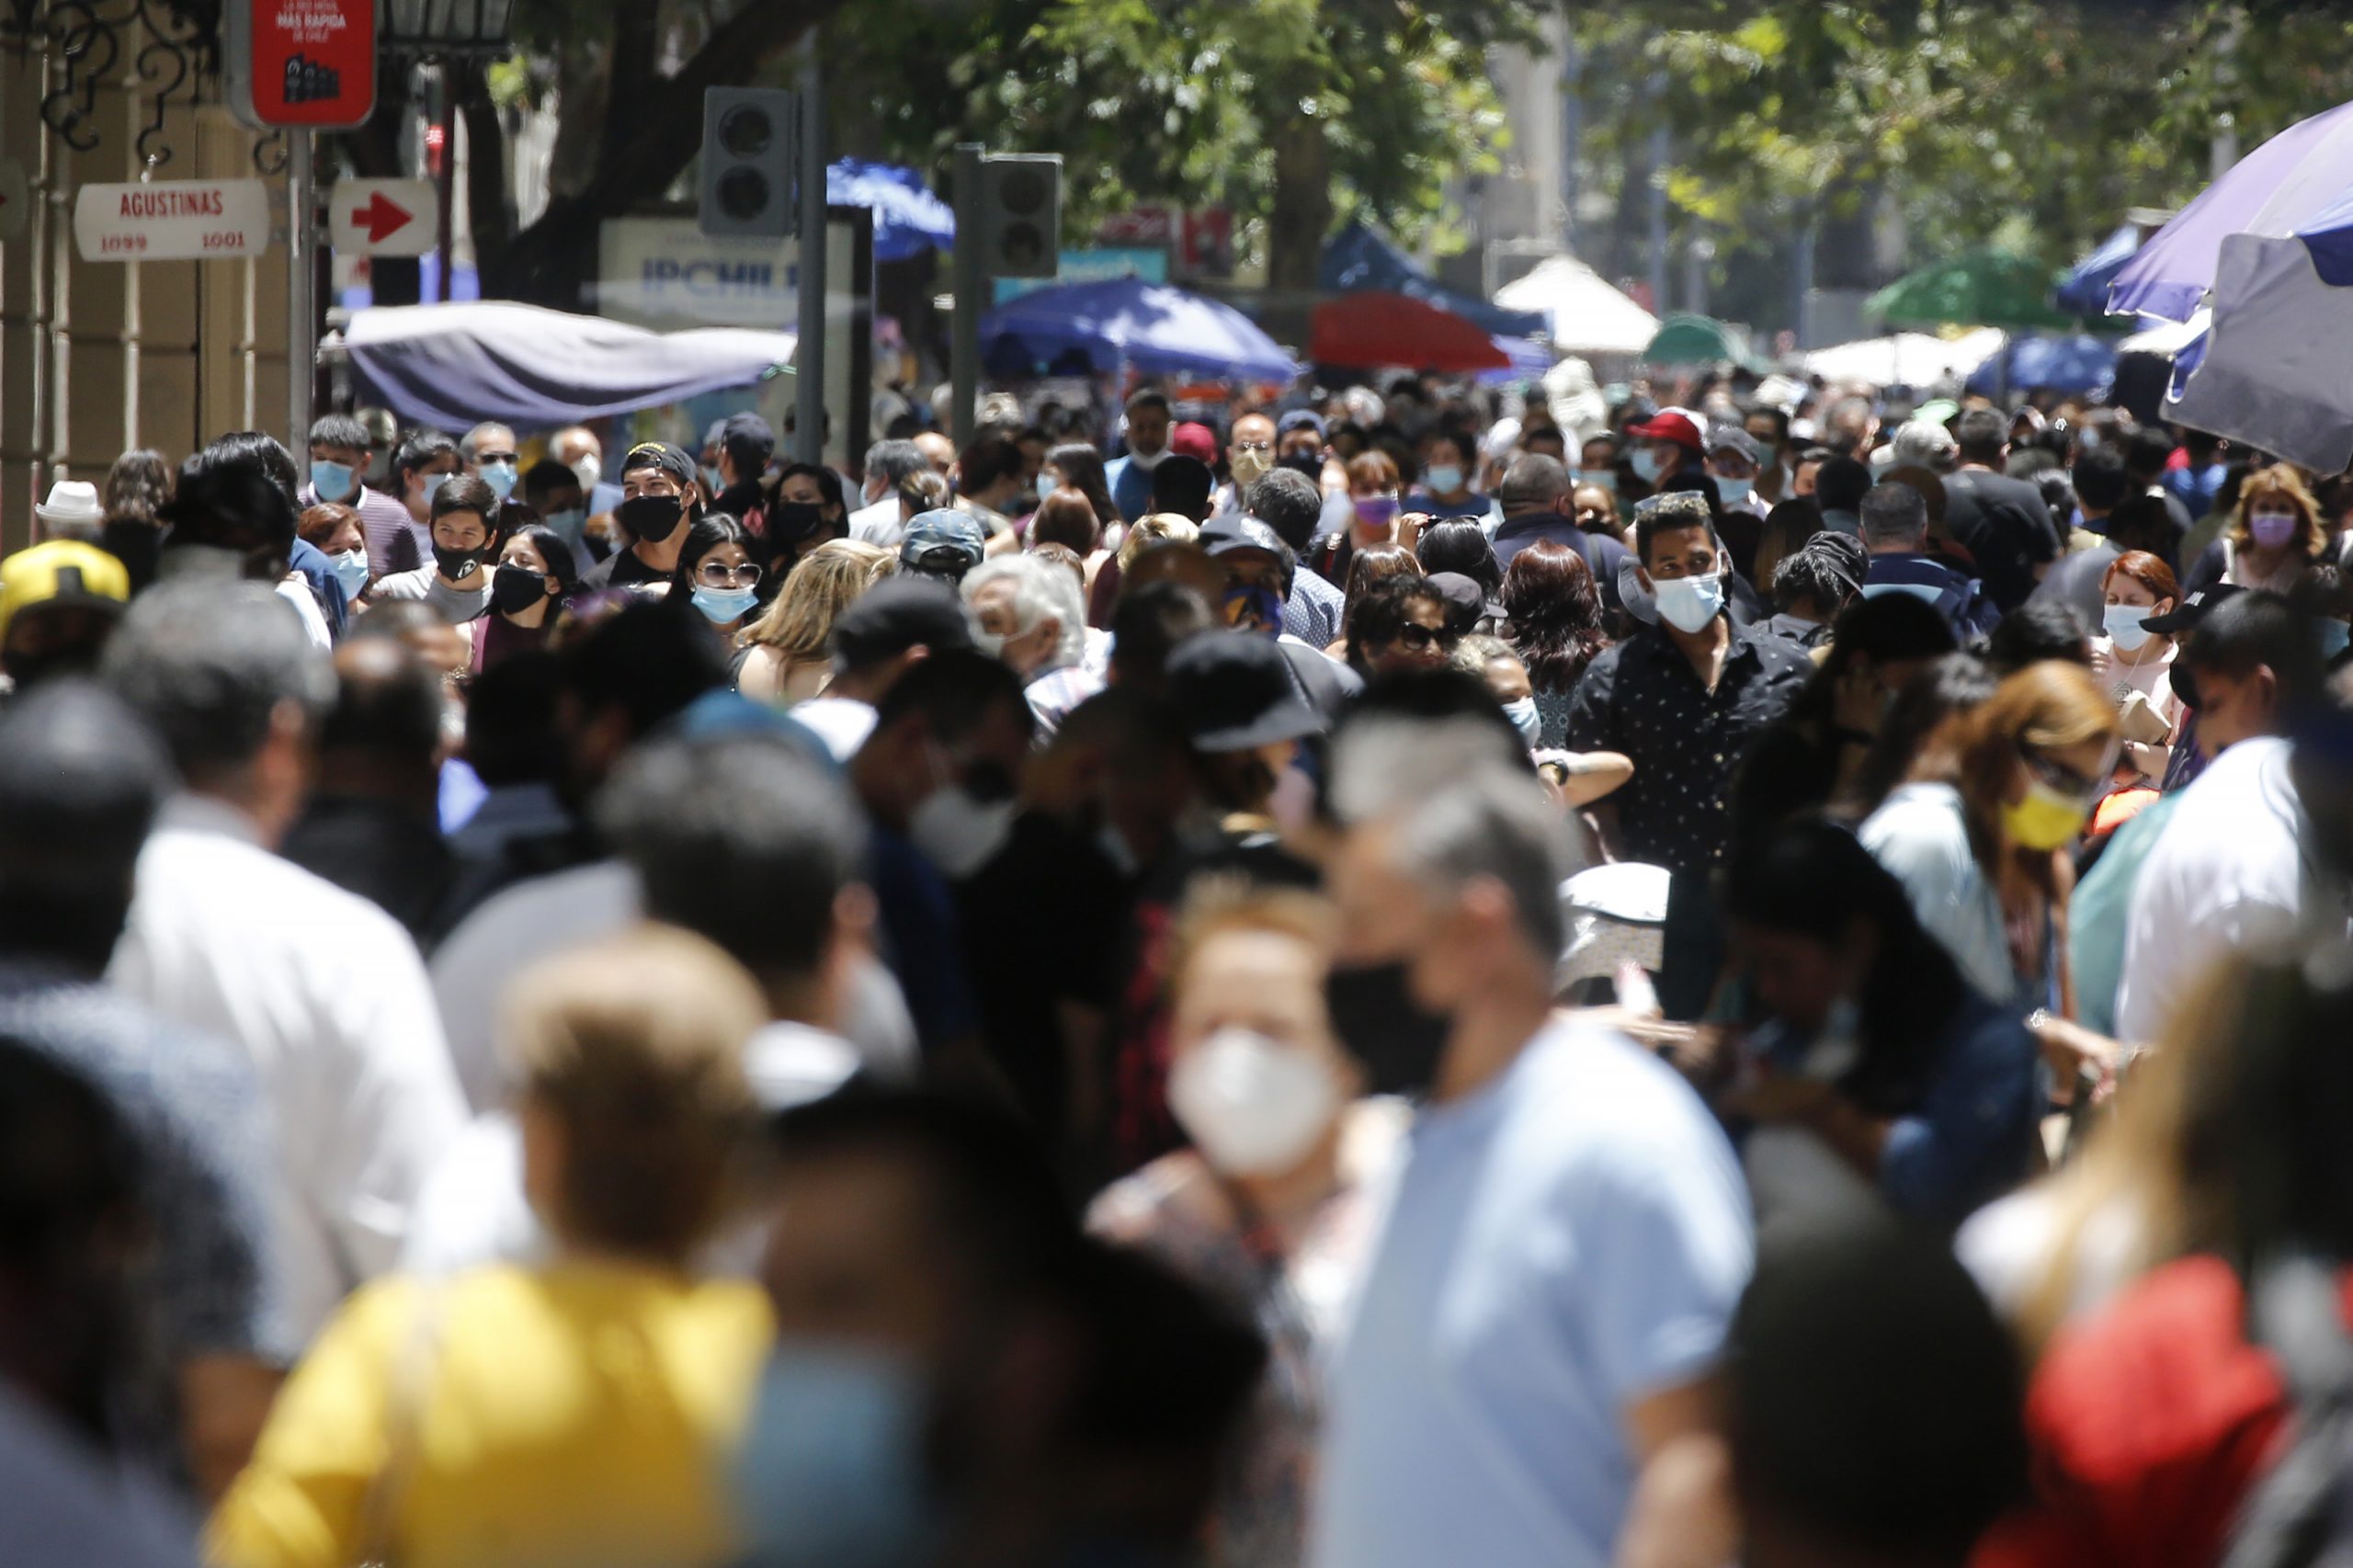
(1399, 977)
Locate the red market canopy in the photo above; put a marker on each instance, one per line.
(1360, 330)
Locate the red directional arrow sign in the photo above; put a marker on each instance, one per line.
(379, 217)
(383, 217)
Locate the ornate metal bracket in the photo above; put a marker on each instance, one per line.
(90, 39)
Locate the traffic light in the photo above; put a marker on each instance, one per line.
(747, 159)
(1021, 214)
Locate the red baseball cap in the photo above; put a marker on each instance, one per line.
(1194, 441)
(1671, 425)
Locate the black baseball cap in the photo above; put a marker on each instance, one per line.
(898, 613)
(1466, 601)
(672, 461)
(1230, 531)
(2185, 616)
(1233, 690)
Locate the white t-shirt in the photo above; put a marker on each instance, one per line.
(295, 589)
(1566, 1242)
(2228, 877)
(842, 722)
(457, 605)
(511, 929)
(879, 524)
(326, 994)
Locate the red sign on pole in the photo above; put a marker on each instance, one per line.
(302, 62)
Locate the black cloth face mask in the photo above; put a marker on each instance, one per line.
(1397, 1038)
(650, 520)
(514, 589)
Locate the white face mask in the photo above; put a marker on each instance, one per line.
(2124, 628)
(959, 831)
(588, 469)
(1690, 603)
(1255, 1106)
(1522, 711)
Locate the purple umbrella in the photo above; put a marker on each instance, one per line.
(2278, 189)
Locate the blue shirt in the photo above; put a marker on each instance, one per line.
(1564, 1242)
(1970, 1136)
(918, 918)
(1472, 505)
(319, 571)
(1958, 598)
(1313, 612)
(1131, 484)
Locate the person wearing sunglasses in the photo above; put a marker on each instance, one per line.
(1399, 623)
(717, 573)
(1981, 841)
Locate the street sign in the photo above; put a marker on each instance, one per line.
(16, 199)
(301, 63)
(383, 217)
(172, 220)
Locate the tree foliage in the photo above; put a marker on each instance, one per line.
(2037, 125)
(1278, 109)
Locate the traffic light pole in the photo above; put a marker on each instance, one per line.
(809, 356)
(301, 317)
(972, 279)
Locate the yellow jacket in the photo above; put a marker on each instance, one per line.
(579, 1415)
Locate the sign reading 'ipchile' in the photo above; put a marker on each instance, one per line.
(177, 220)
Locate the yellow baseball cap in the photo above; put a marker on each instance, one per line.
(63, 571)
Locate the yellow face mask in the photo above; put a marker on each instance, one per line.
(2046, 819)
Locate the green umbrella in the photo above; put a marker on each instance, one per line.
(1696, 340)
(1985, 287)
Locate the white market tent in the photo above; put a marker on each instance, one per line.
(1588, 315)
(1907, 359)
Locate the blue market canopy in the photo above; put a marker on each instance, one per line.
(2068, 362)
(2083, 292)
(455, 365)
(908, 218)
(1093, 328)
(1356, 259)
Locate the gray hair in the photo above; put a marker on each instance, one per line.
(1381, 764)
(894, 461)
(1894, 513)
(209, 663)
(1041, 588)
(471, 442)
(740, 838)
(1489, 823)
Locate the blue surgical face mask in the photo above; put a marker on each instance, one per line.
(350, 570)
(433, 483)
(1690, 603)
(1522, 711)
(830, 1474)
(1444, 479)
(723, 605)
(568, 524)
(710, 478)
(1732, 492)
(1645, 464)
(332, 481)
(2333, 635)
(2124, 628)
(500, 477)
(1045, 485)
